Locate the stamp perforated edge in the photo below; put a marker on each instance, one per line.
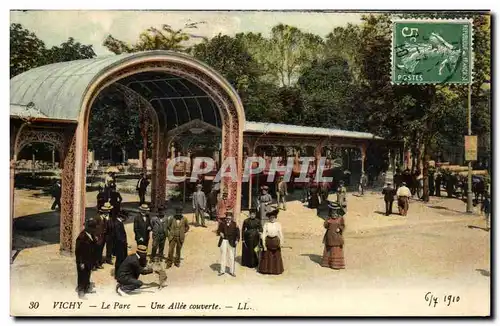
(470, 21)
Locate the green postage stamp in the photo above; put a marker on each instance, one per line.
(431, 51)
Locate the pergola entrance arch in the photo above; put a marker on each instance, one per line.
(67, 91)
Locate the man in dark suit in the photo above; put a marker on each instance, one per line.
(115, 199)
(102, 197)
(142, 226)
(389, 192)
(160, 231)
(229, 236)
(177, 227)
(119, 240)
(102, 220)
(85, 257)
(56, 193)
(142, 186)
(129, 271)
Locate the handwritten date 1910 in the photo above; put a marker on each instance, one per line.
(447, 299)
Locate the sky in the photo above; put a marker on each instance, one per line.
(92, 27)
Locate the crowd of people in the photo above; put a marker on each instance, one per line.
(261, 236)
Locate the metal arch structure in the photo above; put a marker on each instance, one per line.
(168, 84)
(66, 92)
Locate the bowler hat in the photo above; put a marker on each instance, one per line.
(91, 223)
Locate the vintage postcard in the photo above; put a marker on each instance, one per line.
(250, 163)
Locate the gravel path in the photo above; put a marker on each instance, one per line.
(392, 262)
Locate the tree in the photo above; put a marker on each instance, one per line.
(68, 51)
(344, 42)
(285, 53)
(328, 89)
(231, 57)
(27, 51)
(165, 38)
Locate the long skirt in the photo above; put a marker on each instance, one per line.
(314, 201)
(248, 255)
(333, 257)
(403, 205)
(270, 260)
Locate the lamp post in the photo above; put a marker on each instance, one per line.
(469, 167)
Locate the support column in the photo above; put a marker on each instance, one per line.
(70, 226)
(161, 171)
(363, 157)
(12, 178)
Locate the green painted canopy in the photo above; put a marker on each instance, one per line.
(56, 91)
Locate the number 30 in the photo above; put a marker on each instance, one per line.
(405, 33)
(34, 305)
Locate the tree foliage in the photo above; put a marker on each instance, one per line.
(27, 51)
(164, 38)
(337, 80)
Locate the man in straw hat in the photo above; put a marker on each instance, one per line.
(199, 205)
(177, 227)
(130, 270)
(229, 236)
(142, 226)
(85, 257)
(102, 230)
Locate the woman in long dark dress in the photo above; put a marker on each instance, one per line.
(333, 254)
(314, 197)
(252, 228)
(272, 239)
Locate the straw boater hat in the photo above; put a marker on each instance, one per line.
(144, 208)
(199, 185)
(335, 209)
(141, 249)
(106, 207)
(264, 188)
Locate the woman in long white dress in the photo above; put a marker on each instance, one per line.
(271, 261)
